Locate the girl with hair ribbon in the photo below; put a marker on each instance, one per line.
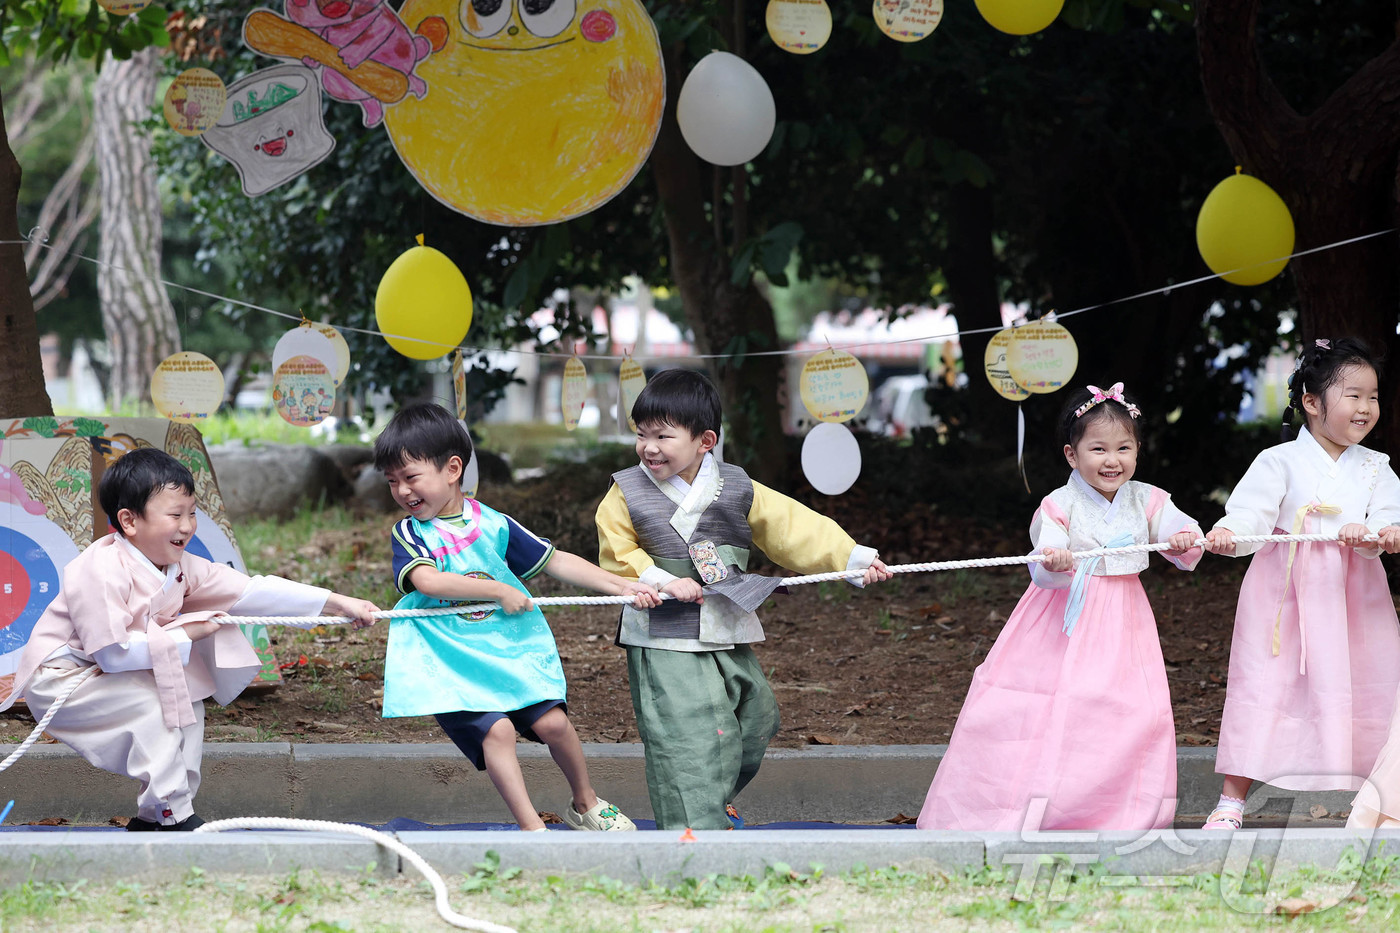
(1068, 721)
(1315, 658)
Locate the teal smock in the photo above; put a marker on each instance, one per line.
(480, 661)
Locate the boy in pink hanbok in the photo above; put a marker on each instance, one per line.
(1068, 722)
(138, 607)
(1315, 658)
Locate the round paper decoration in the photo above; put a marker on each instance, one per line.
(726, 110)
(306, 340)
(187, 387)
(798, 26)
(534, 112)
(830, 458)
(1243, 225)
(998, 372)
(29, 573)
(194, 102)
(632, 379)
(1042, 357)
(471, 474)
(342, 350)
(834, 386)
(124, 7)
(423, 304)
(1020, 17)
(908, 20)
(575, 391)
(303, 391)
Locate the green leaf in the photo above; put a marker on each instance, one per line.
(42, 425)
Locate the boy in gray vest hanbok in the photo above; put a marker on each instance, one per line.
(684, 522)
(484, 674)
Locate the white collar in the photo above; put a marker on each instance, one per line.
(1307, 440)
(142, 560)
(1108, 505)
(701, 475)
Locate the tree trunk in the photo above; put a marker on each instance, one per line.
(1335, 168)
(21, 374)
(727, 319)
(136, 312)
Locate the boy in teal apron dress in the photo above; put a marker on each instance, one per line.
(484, 674)
(684, 522)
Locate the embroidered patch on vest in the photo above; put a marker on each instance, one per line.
(705, 557)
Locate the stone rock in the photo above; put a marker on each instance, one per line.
(371, 491)
(272, 480)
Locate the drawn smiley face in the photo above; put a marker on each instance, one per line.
(538, 110)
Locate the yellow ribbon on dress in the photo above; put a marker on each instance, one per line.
(1300, 522)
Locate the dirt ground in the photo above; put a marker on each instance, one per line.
(886, 666)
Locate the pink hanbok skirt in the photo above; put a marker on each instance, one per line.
(1064, 732)
(1320, 730)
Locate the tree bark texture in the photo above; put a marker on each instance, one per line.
(726, 318)
(21, 374)
(136, 311)
(1336, 169)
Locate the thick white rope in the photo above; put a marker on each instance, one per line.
(384, 839)
(43, 723)
(468, 607)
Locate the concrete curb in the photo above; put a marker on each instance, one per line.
(433, 783)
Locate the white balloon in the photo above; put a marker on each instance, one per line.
(831, 458)
(726, 110)
(306, 341)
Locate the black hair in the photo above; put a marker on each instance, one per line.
(681, 398)
(136, 478)
(1073, 424)
(422, 432)
(1319, 367)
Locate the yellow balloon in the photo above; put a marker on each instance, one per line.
(423, 304)
(1243, 225)
(1020, 17)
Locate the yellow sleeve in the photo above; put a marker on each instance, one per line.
(618, 551)
(795, 537)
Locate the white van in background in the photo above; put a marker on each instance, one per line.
(899, 406)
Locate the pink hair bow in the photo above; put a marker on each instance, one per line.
(1097, 395)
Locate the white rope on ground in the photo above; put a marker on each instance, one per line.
(384, 839)
(314, 621)
(48, 717)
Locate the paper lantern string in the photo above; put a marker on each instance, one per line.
(547, 354)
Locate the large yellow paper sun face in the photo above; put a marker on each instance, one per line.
(536, 111)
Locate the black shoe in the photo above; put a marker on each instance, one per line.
(187, 825)
(138, 825)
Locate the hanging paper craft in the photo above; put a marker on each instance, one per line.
(124, 7)
(725, 110)
(364, 51)
(272, 129)
(831, 458)
(575, 392)
(562, 100)
(1244, 231)
(998, 372)
(833, 386)
(1042, 357)
(423, 304)
(799, 26)
(342, 350)
(459, 385)
(194, 102)
(471, 474)
(306, 340)
(303, 391)
(908, 20)
(1020, 17)
(187, 387)
(632, 379)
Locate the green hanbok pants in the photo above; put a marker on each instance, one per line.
(705, 720)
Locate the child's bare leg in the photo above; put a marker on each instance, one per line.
(556, 731)
(1237, 786)
(503, 768)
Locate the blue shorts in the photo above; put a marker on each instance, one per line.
(467, 729)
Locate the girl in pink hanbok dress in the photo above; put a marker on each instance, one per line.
(1315, 658)
(1068, 722)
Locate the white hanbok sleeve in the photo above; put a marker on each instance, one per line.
(1048, 531)
(1384, 508)
(1253, 506)
(135, 654)
(1167, 522)
(278, 596)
